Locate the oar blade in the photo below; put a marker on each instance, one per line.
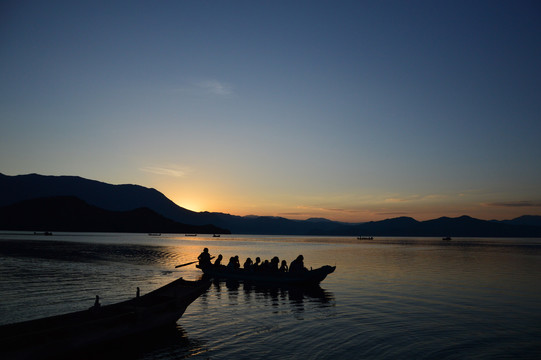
(181, 265)
(193, 262)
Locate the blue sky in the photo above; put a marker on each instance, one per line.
(350, 110)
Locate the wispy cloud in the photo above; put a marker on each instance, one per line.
(215, 87)
(392, 213)
(401, 199)
(287, 214)
(208, 87)
(174, 171)
(353, 214)
(329, 209)
(512, 204)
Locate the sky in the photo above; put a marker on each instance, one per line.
(348, 110)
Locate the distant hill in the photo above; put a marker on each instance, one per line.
(14, 189)
(106, 196)
(529, 220)
(125, 198)
(66, 213)
(460, 227)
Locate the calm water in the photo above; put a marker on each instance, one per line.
(389, 298)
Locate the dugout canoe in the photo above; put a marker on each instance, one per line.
(56, 336)
(302, 278)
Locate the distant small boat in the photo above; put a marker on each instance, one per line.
(365, 238)
(154, 234)
(190, 234)
(216, 235)
(46, 233)
(447, 238)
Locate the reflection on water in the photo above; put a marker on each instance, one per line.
(389, 298)
(241, 293)
(88, 252)
(172, 342)
(44, 278)
(240, 320)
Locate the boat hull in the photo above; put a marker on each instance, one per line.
(56, 336)
(303, 278)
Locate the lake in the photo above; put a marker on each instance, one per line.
(389, 298)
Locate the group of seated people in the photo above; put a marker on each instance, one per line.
(273, 265)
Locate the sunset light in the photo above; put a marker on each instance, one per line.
(270, 179)
(348, 113)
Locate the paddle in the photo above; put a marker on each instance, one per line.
(193, 262)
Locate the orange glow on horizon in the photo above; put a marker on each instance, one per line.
(420, 214)
(189, 205)
(224, 203)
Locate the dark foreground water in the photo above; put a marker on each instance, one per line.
(389, 298)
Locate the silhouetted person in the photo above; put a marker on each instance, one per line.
(204, 258)
(273, 265)
(138, 293)
(284, 267)
(297, 265)
(248, 264)
(265, 266)
(218, 261)
(257, 264)
(97, 302)
(234, 262)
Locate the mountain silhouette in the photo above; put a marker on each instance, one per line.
(529, 220)
(106, 196)
(125, 198)
(67, 213)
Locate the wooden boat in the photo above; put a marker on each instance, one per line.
(447, 238)
(302, 278)
(365, 238)
(58, 336)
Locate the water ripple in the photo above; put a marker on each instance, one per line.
(385, 301)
